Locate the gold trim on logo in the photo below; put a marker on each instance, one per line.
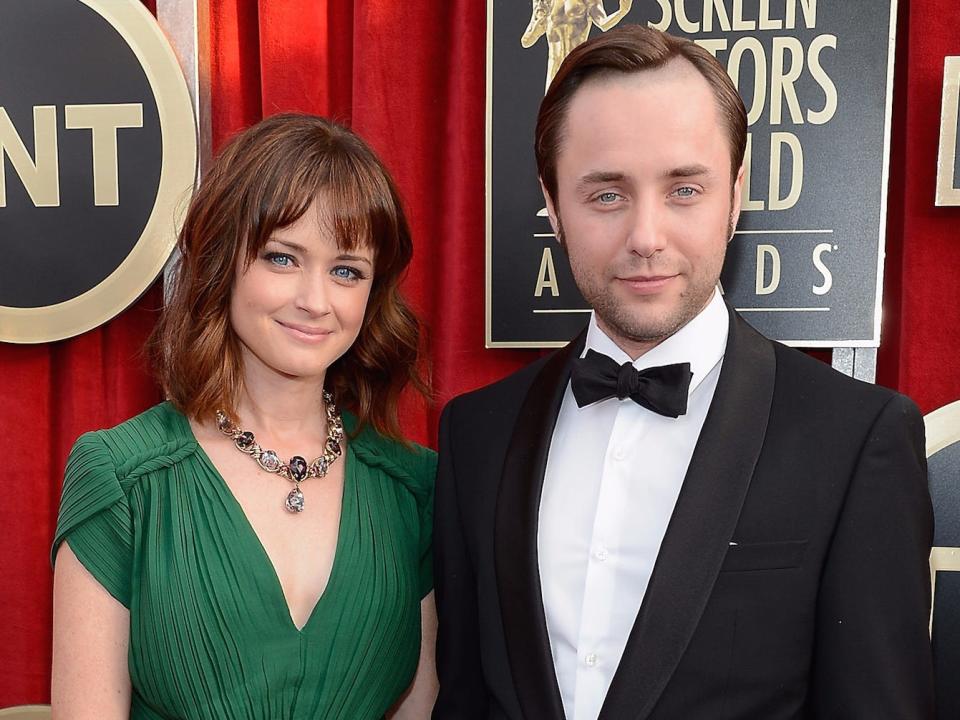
(942, 559)
(942, 428)
(947, 194)
(177, 175)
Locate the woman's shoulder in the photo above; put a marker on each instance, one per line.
(102, 472)
(408, 462)
(156, 437)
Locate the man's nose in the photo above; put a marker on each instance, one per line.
(646, 235)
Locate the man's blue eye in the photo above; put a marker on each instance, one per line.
(686, 192)
(607, 197)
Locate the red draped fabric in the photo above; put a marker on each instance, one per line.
(919, 349)
(409, 77)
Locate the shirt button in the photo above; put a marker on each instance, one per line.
(620, 453)
(591, 660)
(601, 554)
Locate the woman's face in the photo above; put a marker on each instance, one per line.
(300, 305)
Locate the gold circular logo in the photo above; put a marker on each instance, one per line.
(98, 155)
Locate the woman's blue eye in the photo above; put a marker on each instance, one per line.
(279, 259)
(344, 272)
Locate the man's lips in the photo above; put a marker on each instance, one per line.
(646, 284)
(304, 332)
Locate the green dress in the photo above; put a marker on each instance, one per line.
(149, 516)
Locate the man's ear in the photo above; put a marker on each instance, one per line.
(551, 210)
(736, 201)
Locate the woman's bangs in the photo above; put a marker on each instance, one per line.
(280, 203)
(353, 202)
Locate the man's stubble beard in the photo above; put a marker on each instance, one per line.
(615, 315)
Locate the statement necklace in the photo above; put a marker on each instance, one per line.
(296, 470)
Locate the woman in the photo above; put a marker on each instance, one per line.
(198, 574)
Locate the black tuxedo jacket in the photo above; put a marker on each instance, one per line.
(792, 582)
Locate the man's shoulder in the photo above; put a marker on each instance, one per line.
(504, 394)
(807, 380)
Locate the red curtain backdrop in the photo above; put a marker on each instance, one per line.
(409, 77)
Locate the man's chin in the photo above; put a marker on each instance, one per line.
(645, 328)
(651, 324)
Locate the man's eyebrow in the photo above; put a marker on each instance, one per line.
(598, 177)
(688, 171)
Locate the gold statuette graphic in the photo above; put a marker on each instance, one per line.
(566, 23)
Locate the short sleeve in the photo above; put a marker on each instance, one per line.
(95, 517)
(428, 473)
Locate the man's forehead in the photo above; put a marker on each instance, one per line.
(649, 99)
(676, 71)
(671, 111)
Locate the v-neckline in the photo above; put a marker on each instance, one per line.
(271, 569)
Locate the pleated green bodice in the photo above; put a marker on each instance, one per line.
(149, 516)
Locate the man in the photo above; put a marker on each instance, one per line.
(673, 517)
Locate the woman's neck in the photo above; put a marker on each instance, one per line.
(281, 407)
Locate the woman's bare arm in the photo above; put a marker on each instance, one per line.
(90, 636)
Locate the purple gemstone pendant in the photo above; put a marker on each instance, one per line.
(298, 468)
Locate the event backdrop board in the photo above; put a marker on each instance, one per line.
(948, 169)
(944, 468)
(805, 266)
(97, 155)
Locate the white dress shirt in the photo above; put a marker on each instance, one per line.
(612, 479)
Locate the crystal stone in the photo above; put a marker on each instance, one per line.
(298, 468)
(334, 447)
(295, 501)
(244, 440)
(269, 461)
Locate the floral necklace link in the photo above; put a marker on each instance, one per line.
(296, 470)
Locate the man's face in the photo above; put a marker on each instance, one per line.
(644, 204)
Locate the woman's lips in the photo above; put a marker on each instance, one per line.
(305, 333)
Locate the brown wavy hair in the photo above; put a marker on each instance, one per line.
(263, 180)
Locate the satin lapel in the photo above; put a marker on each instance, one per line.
(515, 539)
(701, 527)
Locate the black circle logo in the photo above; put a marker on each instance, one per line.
(98, 151)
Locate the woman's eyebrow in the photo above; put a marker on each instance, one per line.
(355, 258)
(291, 245)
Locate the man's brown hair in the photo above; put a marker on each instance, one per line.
(264, 179)
(630, 49)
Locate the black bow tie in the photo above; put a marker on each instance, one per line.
(660, 389)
